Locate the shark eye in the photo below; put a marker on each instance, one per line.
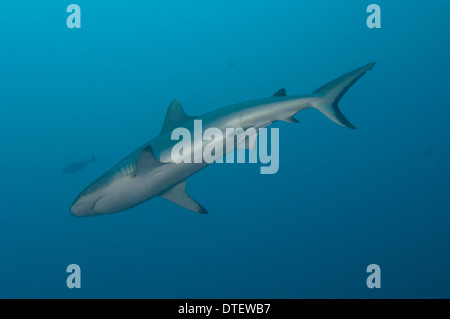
(83, 194)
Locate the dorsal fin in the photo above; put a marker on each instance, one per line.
(146, 161)
(175, 116)
(280, 92)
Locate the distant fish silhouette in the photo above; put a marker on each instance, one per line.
(78, 166)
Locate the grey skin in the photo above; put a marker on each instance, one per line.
(149, 171)
(78, 166)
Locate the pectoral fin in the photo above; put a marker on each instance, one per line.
(146, 161)
(178, 195)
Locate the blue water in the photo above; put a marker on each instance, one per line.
(341, 200)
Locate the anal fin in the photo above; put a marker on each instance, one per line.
(178, 195)
(290, 119)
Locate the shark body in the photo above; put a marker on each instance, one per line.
(150, 171)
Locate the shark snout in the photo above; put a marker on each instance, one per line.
(85, 205)
(75, 210)
(81, 210)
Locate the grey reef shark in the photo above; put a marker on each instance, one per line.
(150, 171)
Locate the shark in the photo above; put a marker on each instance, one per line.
(149, 171)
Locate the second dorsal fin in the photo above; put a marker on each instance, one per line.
(280, 92)
(175, 116)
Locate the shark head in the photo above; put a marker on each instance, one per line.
(110, 193)
(85, 203)
(90, 200)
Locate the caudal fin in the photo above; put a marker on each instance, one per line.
(331, 93)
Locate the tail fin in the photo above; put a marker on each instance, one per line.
(332, 92)
(93, 159)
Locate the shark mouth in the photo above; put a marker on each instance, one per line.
(93, 205)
